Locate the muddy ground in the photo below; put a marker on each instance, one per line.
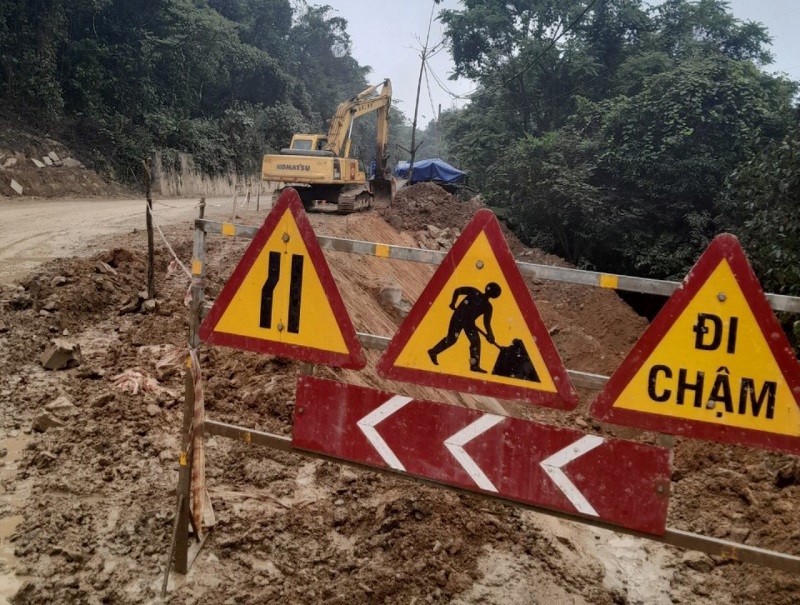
(87, 484)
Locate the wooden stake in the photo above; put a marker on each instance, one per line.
(151, 286)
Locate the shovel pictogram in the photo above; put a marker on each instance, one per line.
(514, 361)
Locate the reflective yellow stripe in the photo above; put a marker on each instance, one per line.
(382, 250)
(228, 229)
(609, 281)
(197, 267)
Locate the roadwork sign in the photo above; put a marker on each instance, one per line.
(475, 328)
(714, 363)
(611, 480)
(281, 298)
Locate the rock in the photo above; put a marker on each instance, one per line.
(581, 423)
(149, 306)
(58, 280)
(54, 156)
(443, 242)
(165, 456)
(45, 421)
(698, 561)
(433, 231)
(72, 163)
(153, 410)
(61, 354)
(739, 534)
(47, 161)
(348, 476)
(104, 268)
(61, 407)
(102, 400)
(16, 187)
(91, 373)
(457, 582)
(396, 222)
(10, 162)
(3, 327)
(51, 304)
(3, 452)
(391, 294)
(37, 163)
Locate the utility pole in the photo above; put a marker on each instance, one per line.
(424, 57)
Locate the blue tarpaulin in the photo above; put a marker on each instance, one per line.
(435, 170)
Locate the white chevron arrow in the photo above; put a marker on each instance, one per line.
(367, 426)
(552, 466)
(455, 443)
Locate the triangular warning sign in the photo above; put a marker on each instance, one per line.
(714, 363)
(476, 329)
(281, 298)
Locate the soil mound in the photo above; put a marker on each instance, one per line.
(416, 206)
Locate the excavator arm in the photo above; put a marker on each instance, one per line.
(341, 129)
(367, 101)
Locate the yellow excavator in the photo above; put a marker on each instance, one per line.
(320, 167)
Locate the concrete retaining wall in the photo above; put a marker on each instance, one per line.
(185, 180)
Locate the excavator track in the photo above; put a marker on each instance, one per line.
(354, 203)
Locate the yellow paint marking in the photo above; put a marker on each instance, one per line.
(183, 459)
(197, 266)
(609, 281)
(382, 250)
(228, 229)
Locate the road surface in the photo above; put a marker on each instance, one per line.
(34, 231)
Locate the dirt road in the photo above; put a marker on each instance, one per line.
(33, 231)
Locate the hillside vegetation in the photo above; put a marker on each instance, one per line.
(225, 80)
(623, 136)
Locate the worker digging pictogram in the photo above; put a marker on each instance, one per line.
(477, 294)
(513, 361)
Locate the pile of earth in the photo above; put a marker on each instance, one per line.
(416, 206)
(94, 491)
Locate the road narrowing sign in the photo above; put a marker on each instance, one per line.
(282, 299)
(593, 476)
(476, 329)
(714, 363)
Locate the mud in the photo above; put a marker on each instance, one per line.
(88, 507)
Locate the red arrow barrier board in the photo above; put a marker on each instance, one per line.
(616, 481)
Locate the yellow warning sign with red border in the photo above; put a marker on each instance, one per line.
(713, 364)
(281, 298)
(475, 328)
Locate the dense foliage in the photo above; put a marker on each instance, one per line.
(226, 80)
(635, 137)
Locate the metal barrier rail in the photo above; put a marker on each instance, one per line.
(381, 343)
(778, 302)
(674, 537)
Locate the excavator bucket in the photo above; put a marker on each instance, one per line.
(382, 191)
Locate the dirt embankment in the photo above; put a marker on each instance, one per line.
(36, 165)
(92, 496)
